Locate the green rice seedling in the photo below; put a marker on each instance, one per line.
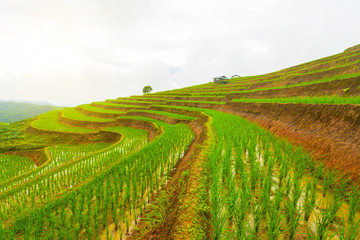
(96, 219)
(254, 174)
(325, 79)
(258, 212)
(49, 121)
(88, 228)
(239, 161)
(288, 185)
(127, 223)
(278, 198)
(284, 171)
(108, 233)
(310, 198)
(273, 218)
(267, 186)
(354, 204)
(292, 212)
(115, 215)
(241, 210)
(2, 232)
(169, 147)
(73, 113)
(226, 163)
(328, 215)
(40, 224)
(218, 218)
(231, 200)
(14, 165)
(80, 208)
(352, 231)
(306, 100)
(328, 181)
(172, 115)
(320, 171)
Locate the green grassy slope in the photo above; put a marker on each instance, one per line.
(15, 111)
(182, 166)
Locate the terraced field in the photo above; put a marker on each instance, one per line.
(273, 156)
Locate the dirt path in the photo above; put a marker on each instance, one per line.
(176, 202)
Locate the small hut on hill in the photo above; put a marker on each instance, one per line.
(221, 79)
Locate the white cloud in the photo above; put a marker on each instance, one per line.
(70, 52)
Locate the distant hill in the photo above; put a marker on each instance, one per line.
(16, 111)
(3, 124)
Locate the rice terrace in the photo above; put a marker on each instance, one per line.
(272, 156)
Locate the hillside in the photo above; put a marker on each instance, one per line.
(16, 111)
(273, 156)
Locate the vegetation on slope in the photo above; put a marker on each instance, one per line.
(236, 181)
(304, 100)
(15, 111)
(49, 122)
(73, 113)
(15, 137)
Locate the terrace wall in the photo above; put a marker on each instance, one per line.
(331, 132)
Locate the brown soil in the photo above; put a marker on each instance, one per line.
(85, 124)
(175, 189)
(118, 108)
(138, 103)
(215, 90)
(353, 49)
(99, 114)
(139, 99)
(194, 104)
(330, 132)
(323, 63)
(155, 116)
(37, 156)
(214, 99)
(339, 62)
(320, 89)
(77, 138)
(150, 127)
(195, 114)
(307, 77)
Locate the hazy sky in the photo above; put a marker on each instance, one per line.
(69, 52)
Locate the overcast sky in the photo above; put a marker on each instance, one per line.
(70, 52)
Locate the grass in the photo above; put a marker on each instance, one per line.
(3, 124)
(124, 182)
(116, 105)
(129, 101)
(92, 108)
(305, 100)
(325, 79)
(49, 121)
(145, 119)
(15, 137)
(14, 165)
(194, 101)
(241, 181)
(74, 114)
(245, 168)
(173, 115)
